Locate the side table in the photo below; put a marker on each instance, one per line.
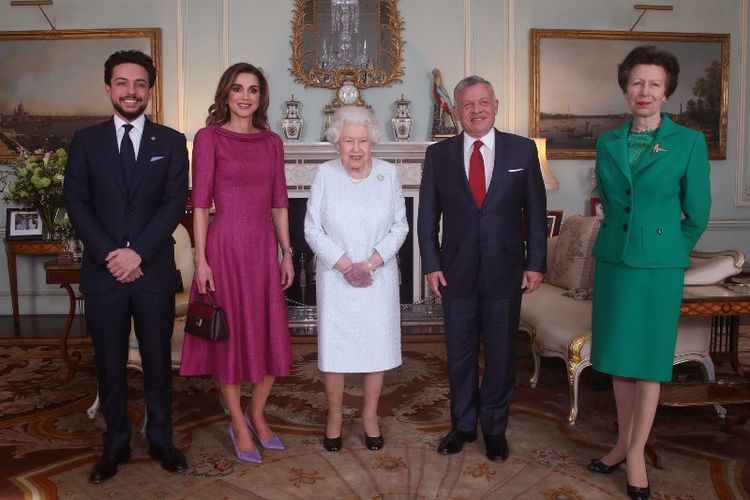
(24, 247)
(66, 274)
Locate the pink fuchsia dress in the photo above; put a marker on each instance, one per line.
(243, 174)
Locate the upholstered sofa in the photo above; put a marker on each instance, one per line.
(557, 317)
(183, 255)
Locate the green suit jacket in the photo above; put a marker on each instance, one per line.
(655, 213)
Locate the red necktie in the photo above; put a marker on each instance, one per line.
(476, 174)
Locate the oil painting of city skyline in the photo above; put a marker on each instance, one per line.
(575, 95)
(52, 84)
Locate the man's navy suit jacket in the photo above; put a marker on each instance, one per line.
(107, 213)
(483, 249)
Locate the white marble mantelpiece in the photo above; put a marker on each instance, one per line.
(302, 159)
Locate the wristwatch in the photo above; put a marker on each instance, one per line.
(289, 250)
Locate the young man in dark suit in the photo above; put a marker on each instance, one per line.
(481, 182)
(125, 189)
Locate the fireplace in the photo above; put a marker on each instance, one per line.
(302, 292)
(301, 163)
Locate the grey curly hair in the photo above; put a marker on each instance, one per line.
(352, 114)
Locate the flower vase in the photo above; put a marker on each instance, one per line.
(292, 123)
(402, 123)
(47, 215)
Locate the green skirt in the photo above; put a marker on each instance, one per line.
(634, 320)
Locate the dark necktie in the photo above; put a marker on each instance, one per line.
(127, 154)
(476, 174)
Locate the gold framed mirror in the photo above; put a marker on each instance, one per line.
(338, 41)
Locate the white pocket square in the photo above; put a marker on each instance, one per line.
(514, 170)
(156, 158)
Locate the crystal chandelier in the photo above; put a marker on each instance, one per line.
(344, 25)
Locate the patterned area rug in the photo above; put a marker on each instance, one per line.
(48, 445)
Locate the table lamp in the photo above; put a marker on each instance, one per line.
(550, 182)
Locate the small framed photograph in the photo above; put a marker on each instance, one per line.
(596, 207)
(554, 220)
(21, 224)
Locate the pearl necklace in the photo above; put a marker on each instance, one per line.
(349, 176)
(642, 129)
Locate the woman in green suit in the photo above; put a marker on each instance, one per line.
(653, 182)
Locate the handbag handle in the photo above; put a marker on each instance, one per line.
(210, 295)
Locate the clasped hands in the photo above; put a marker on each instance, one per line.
(124, 264)
(358, 275)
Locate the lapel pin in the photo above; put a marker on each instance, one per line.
(153, 138)
(658, 149)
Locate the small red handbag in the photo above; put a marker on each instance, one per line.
(206, 319)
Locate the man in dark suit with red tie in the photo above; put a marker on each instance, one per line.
(483, 183)
(125, 190)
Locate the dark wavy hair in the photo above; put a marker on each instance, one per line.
(649, 54)
(130, 56)
(218, 112)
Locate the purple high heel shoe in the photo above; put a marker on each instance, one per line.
(253, 457)
(272, 444)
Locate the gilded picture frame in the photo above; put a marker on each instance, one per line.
(52, 83)
(378, 22)
(575, 96)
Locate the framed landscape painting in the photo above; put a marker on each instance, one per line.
(575, 95)
(52, 83)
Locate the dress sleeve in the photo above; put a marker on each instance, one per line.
(327, 251)
(279, 198)
(203, 168)
(389, 245)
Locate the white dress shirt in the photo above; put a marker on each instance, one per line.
(488, 154)
(135, 133)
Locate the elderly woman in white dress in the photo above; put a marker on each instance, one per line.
(355, 224)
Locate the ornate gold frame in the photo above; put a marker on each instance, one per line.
(537, 36)
(153, 35)
(390, 22)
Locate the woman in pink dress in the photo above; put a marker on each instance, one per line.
(238, 166)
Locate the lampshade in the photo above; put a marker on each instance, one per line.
(550, 182)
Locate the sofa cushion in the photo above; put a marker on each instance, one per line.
(580, 293)
(556, 318)
(704, 271)
(551, 246)
(573, 264)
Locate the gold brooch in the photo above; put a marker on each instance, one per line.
(381, 177)
(658, 149)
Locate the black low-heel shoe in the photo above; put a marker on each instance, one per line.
(374, 443)
(600, 467)
(332, 444)
(637, 493)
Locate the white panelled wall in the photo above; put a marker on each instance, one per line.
(460, 37)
